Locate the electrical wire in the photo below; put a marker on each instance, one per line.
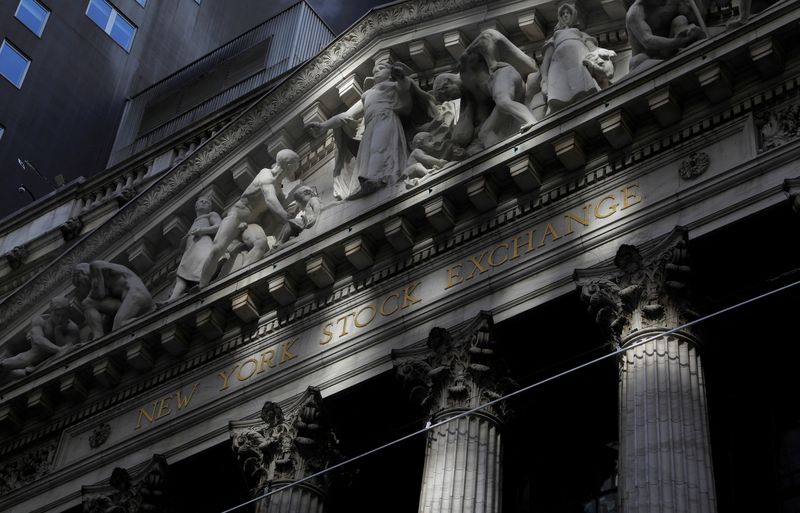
(515, 393)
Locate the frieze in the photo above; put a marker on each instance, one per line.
(27, 467)
(778, 126)
(695, 165)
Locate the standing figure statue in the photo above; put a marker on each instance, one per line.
(51, 334)
(657, 29)
(573, 66)
(391, 104)
(490, 86)
(110, 291)
(199, 241)
(262, 196)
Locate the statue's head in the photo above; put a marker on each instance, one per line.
(567, 16)
(447, 86)
(381, 72)
(202, 205)
(288, 161)
(423, 141)
(59, 311)
(80, 275)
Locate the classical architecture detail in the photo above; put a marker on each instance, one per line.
(491, 91)
(695, 165)
(573, 65)
(657, 33)
(51, 334)
(284, 445)
(71, 228)
(778, 126)
(24, 469)
(109, 294)
(383, 151)
(641, 291)
(143, 491)
(198, 244)
(125, 195)
(457, 371)
(641, 304)
(17, 256)
(99, 435)
(245, 219)
(791, 187)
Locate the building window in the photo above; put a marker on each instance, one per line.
(141, 2)
(112, 22)
(33, 15)
(13, 64)
(2, 131)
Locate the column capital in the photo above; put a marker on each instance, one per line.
(459, 368)
(286, 443)
(641, 290)
(142, 490)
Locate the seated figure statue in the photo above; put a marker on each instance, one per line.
(657, 29)
(51, 334)
(490, 86)
(262, 196)
(425, 159)
(109, 291)
(573, 66)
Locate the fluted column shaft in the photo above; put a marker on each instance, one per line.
(463, 461)
(301, 498)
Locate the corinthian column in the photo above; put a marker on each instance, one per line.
(283, 446)
(664, 451)
(458, 371)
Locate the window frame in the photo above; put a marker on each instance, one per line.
(143, 3)
(46, 16)
(111, 22)
(13, 47)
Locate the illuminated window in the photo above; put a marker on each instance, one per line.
(112, 22)
(33, 15)
(13, 64)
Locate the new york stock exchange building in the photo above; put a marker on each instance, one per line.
(508, 256)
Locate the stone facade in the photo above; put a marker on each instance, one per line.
(354, 222)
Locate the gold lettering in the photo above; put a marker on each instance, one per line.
(626, 195)
(266, 358)
(569, 216)
(286, 355)
(344, 324)
(612, 208)
(491, 261)
(453, 275)
(225, 377)
(477, 265)
(328, 333)
(253, 371)
(553, 234)
(184, 400)
(396, 308)
(149, 416)
(408, 295)
(371, 317)
(515, 252)
(163, 408)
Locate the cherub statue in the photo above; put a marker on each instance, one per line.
(490, 86)
(51, 334)
(309, 208)
(573, 66)
(391, 102)
(423, 160)
(198, 243)
(110, 290)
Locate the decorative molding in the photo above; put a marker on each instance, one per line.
(27, 467)
(17, 256)
(100, 435)
(778, 126)
(695, 165)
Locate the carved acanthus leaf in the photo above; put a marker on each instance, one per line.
(141, 492)
(28, 467)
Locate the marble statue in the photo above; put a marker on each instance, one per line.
(492, 92)
(262, 196)
(309, 208)
(51, 334)
(199, 241)
(573, 66)
(424, 159)
(390, 106)
(657, 29)
(109, 292)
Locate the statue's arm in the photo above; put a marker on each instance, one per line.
(336, 121)
(272, 201)
(640, 30)
(98, 287)
(39, 339)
